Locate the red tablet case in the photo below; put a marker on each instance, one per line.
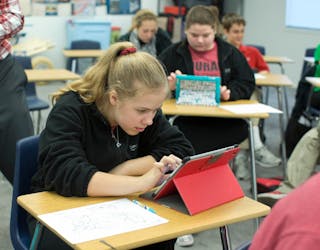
(205, 183)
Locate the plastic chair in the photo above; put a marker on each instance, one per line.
(81, 45)
(33, 101)
(309, 52)
(261, 48)
(25, 166)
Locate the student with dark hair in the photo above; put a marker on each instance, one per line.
(106, 135)
(204, 53)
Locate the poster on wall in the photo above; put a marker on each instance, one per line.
(123, 6)
(65, 7)
(83, 7)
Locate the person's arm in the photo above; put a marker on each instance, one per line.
(11, 18)
(124, 179)
(240, 79)
(65, 168)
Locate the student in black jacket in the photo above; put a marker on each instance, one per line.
(203, 53)
(106, 135)
(145, 33)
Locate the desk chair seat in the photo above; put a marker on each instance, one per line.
(261, 48)
(33, 101)
(25, 166)
(309, 52)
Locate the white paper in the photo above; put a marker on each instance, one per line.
(259, 76)
(313, 80)
(250, 108)
(101, 220)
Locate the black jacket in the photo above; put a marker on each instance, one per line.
(235, 71)
(77, 142)
(162, 40)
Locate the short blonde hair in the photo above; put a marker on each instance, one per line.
(142, 15)
(120, 73)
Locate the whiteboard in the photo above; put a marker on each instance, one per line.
(303, 14)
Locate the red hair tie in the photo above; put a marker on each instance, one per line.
(127, 51)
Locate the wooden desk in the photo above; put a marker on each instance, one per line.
(274, 80)
(36, 75)
(83, 53)
(277, 59)
(170, 107)
(179, 224)
(279, 81)
(76, 54)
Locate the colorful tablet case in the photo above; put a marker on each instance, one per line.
(198, 90)
(203, 182)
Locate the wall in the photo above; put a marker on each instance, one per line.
(53, 28)
(266, 26)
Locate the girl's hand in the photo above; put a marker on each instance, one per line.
(157, 174)
(224, 93)
(170, 162)
(172, 79)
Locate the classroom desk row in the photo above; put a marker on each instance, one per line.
(268, 80)
(178, 223)
(97, 53)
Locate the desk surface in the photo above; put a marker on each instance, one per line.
(274, 80)
(179, 223)
(315, 81)
(83, 53)
(277, 59)
(170, 107)
(35, 75)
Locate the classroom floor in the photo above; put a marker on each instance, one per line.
(239, 232)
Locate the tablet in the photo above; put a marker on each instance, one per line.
(198, 90)
(195, 164)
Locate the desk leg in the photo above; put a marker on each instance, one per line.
(282, 130)
(285, 94)
(74, 65)
(253, 167)
(252, 161)
(36, 236)
(225, 238)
